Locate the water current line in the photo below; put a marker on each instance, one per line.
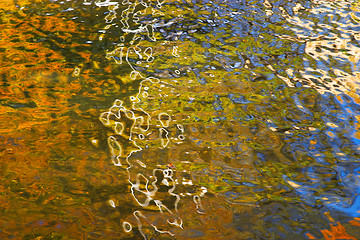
(134, 124)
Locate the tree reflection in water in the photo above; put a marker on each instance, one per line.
(233, 119)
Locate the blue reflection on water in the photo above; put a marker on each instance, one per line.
(324, 128)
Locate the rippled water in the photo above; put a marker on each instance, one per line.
(193, 119)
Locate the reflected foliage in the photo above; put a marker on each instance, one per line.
(218, 119)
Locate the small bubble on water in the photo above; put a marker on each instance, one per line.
(112, 203)
(127, 227)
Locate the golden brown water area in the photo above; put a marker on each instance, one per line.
(196, 119)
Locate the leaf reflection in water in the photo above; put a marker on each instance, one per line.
(233, 119)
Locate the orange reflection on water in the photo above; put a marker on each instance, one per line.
(336, 232)
(355, 222)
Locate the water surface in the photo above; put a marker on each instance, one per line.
(179, 119)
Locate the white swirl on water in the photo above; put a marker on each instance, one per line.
(138, 126)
